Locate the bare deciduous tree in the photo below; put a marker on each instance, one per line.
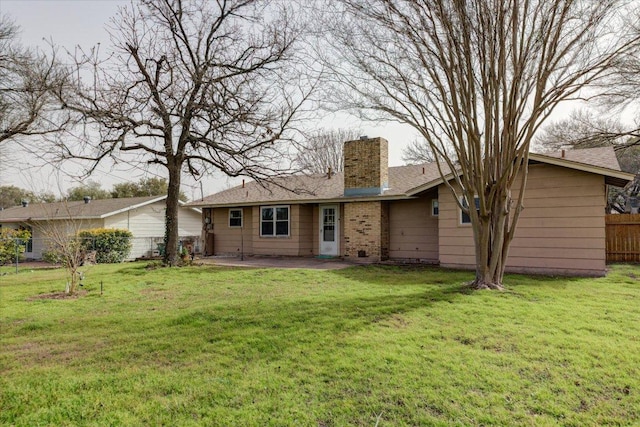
(479, 76)
(26, 77)
(193, 86)
(63, 242)
(322, 150)
(418, 151)
(584, 129)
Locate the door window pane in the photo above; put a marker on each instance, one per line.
(328, 224)
(329, 234)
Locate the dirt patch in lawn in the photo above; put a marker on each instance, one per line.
(58, 295)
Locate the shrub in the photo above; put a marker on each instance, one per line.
(52, 256)
(111, 245)
(9, 242)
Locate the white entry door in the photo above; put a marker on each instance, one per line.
(329, 236)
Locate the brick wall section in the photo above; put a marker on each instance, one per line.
(385, 238)
(366, 163)
(366, 228)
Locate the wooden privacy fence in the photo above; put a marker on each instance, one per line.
(623, 237)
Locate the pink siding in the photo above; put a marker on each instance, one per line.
(302, 239)
(560, 231)
(232, 240)
(413, 231)
(298, 243)
(315, 236)
(306, 229)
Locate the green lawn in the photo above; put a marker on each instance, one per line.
(362, 346)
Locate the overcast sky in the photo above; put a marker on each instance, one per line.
(82, 22)
(68, 22)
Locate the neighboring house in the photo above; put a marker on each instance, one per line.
(372, 212)
(143, 216)
(632, 202)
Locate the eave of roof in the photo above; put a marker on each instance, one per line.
(12, 220)
(579, 161)
(429, 185)
(128, 208)
(104, 215)
(309, 201)
(101, 214)
(612, 176)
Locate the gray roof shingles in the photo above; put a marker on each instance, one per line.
(73, 210)
(311, 188)
(402, 180)
(604, 157)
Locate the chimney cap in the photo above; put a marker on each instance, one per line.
(364, 137)
(25, 203)
(87, 199)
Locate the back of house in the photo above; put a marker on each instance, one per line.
(372, 212)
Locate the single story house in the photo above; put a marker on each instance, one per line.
(143, 216)
(374, 212)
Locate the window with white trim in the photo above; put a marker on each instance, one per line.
(235, 218)
(274, 221)
(465, 218)
(435, 208)
(28, 244)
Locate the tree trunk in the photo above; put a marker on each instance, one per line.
(489, 264)
(171, 217)
(73, 284)
(492, 239)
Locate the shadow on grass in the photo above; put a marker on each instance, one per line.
(429, 274)
(271, 329)
(405, 275)
(145, 268)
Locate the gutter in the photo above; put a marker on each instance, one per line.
(310, 201)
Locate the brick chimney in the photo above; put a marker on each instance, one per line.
(366, 167)
(366, 222)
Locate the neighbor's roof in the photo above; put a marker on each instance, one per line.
(404, 181)
(96, 209)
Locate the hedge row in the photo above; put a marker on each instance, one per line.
(111, 245)
(12, 242)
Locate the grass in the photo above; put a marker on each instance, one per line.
(256, 347)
